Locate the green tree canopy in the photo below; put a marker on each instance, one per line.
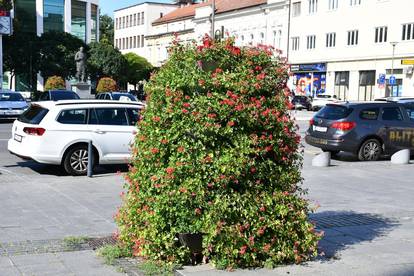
(106, 29)
(57, 52)
(106, 61)
(6, 5)
(138, 68)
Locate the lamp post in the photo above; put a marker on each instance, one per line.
(213, 15)
(393, 44)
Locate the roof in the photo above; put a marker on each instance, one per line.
(49, 104)
(222, 6)
(146, 2)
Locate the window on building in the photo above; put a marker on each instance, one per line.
(313, 6)
(135, 42)
(381, 34)
(353, 37)
(116, 23)
(94, 23)
(354, 2)
(25, 13)
(310, 42)
(131, 43)
(296, 9)
(161, 14)
(123, 43)
(127, 21)
(53, 15)
(341, 85)
(408, 31)
(330, 40)
(135, 19)
(142, 18)
(333, 4)
(130, 21)
(295, 43)
(138, 42)
(79, 19)
(123, 22)
(142, 40)
(366, 85)
(139, 19)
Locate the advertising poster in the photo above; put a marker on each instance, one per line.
(304, 85)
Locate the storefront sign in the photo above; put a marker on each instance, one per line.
(314, 67)
(407, 61)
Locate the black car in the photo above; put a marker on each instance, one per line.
(368, 130)
(57, 95)
(301, 102)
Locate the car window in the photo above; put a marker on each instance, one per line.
(72, 116)
(123, 97)
(410, 110)
(11, 97)
(58, 95)
(391, 114)
(334, 112)
(369, 114)
(133, 116)
(45, 96)
(33, 115)
(111, 116)
(107, 97)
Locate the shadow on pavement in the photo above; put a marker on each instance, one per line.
(54, 170)
(344, 229)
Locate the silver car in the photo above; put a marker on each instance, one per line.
(12, 105)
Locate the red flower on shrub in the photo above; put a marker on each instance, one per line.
(185, 111)
(231, 123)
(156, 118)
(186, 105)
(197, 211)
(170, 170)
(201, 82)
(155, 150)
(243, 249)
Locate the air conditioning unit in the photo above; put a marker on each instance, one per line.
(409, 70)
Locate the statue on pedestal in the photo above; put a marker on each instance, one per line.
(80, 59)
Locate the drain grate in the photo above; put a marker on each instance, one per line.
(53, 246)
(346, 220)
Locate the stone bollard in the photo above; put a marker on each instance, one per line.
(401, 157)
(322, 160)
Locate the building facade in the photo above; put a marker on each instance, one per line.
(352, 49)
(133, 24)
(78, 17)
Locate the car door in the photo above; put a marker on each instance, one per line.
(112, 133)
(397, 130)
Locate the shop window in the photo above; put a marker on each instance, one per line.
(341, 85)
(366, 85)
(394, 90)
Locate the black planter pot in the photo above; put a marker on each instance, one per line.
(194, 242)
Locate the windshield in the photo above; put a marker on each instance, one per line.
(333, 112)
(118, 96)
(56, 96)
(11, 97)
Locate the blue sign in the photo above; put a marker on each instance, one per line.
(393, 81)
(315, 67)
(381, 79)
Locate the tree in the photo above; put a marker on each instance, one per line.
(138, 69)
(106, 61)
(106, 29)
(217, 154)
(57, 52)
(55, 83)
(6, 5)
(106, 85)
(22, 56)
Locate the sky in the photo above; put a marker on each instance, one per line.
(108, 6)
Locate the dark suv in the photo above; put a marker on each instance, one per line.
(366, 129)
(301, 102)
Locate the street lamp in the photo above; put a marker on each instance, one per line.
(213, 14)
(393, 44)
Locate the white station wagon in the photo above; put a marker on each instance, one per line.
(58, 133)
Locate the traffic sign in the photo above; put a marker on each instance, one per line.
(393, 81)
(381, 79)
(407, 62)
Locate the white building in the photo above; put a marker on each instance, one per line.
(132, 24)
(346, 47)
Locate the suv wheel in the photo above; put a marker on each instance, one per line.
(76, 160)
(370, 150)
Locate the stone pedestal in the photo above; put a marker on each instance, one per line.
(83, 90)
(401, 157)
(322, 160)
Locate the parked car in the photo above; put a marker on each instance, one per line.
(116, 96)
(321, 100)
(301, 102)
(58, 133)
(368, 130)
(12, 105)
(58, 95)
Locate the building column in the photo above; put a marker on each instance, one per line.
(88, 22)
(39, 17)
(68, 16)
(98, 33)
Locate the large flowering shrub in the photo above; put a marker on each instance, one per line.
(106, 85)
(217, 153)
(55, 83)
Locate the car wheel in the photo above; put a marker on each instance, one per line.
(370, 150)
(76, 160)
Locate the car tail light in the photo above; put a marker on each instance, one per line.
(344, 126)
(36, 131)
(311, 122)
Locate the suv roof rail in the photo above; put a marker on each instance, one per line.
(100, 102)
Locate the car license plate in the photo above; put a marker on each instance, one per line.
(318, 141)
(18, 138)
(320, 129)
